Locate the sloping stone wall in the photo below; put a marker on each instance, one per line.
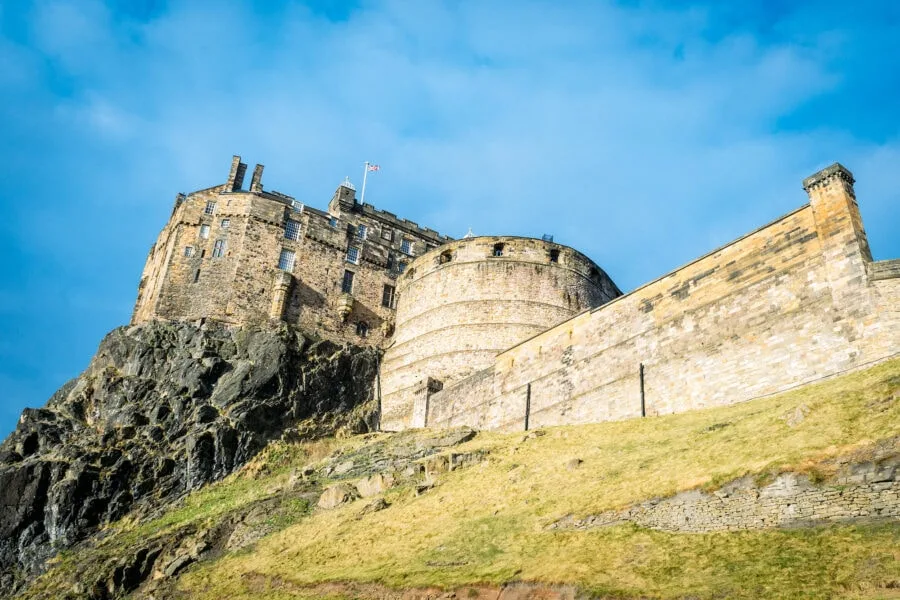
(790, 303)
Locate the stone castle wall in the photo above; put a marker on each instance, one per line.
(218, 258)
(797, 300)
(463, 303)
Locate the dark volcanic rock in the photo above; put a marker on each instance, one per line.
(162, 409)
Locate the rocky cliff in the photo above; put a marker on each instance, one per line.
(162, 409)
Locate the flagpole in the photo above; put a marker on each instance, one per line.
(365, 174)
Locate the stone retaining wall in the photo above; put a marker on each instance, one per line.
(870, 491)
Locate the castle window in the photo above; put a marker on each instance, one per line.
(362, 231)
(554, 256)
(333, 221)
(445, 257)
(390, 262)
(286, 260)
(362, 329)
(387, 233)
(406, 247)
(347, 283)
(353, 255)
(210, 207)
(196, 275)
(388, 296)
(401, 266)
(292, 230)
(189, 251)
(219, 249)
(498, 249)
(226, 223)
(204, 232)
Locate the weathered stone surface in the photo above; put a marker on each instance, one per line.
(790, 303)
(335, 495)
(573, 463)
(460, 305)
(796, 416)
(161, 410)
(375, 484)
(218, 258)
(860, 492)
(373, 506)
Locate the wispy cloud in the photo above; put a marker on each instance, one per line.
(640, 133)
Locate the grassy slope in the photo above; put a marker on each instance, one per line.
(487, 523)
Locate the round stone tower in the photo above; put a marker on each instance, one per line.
(461, 304)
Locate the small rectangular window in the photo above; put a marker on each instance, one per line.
(219, 249)
(406, 247)
(286, 260)
(333, 221)
(204, 232)
(189, 251)
(387, 296)
(292, 230)
(226, 223)
(401, 266)
(362, 231)
(196, 275)
(353, 255)
(210, 207)
(347, 284)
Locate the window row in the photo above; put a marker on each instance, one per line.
(218, 250)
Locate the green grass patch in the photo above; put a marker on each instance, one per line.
(487, 523)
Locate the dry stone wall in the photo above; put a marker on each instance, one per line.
(463, 303)
(789, 303)
(870, 491)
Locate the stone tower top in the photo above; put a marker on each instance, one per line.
(823, 177)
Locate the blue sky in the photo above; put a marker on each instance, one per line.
(643, 133)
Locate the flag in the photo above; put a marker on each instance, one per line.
(374, 168)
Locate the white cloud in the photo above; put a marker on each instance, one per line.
(628, 133)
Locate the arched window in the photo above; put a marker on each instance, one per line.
(362, 329)
(498, 249)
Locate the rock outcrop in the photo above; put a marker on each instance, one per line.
(162, 409)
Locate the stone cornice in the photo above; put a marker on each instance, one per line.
(823, 177)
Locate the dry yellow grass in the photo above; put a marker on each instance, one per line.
(487, 523)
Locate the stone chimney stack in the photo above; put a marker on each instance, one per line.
(256, 180)
(236, 176)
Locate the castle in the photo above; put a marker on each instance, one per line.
(501, 332)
